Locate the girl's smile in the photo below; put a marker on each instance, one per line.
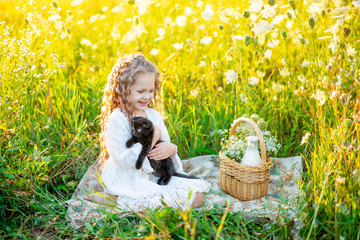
(142, 91)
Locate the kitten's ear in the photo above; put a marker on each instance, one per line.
(146, 125)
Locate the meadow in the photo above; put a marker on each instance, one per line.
(295, 63)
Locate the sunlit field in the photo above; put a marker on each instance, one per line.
(295, 63)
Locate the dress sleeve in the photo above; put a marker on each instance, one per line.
(166, 138)
(116, 135)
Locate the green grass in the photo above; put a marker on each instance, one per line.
(52, 83)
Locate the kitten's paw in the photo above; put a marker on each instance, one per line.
(138, 165)
(165, 182)
(128, 144)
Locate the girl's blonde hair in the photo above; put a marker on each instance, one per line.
(117, 90)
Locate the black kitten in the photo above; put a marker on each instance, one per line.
(142, 131)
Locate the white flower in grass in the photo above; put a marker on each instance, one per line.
(76, 2)
(85, 42)
(305, 63)
(334, 94)
(228, 58)
(202, 64)
(116, 9)
(284, 72)
(278, 19)
(273, 43)
(315, 8)
(207, 13)
(194, 92)
(54, 17)
(188, 11)
(301, 78)
(253, 81)
(201, 26)
(237, 38)
(255, 5)
(181, 21)
(288, 24)
(356, 3)
(260, 73)
(333, 46)
(268, 53)
(350, 51)
(277, 87)
(305, 138)
(231, 76)
(275, 34)
(319, 96)
(261, 26)
(206, 40)
(178, 46)
(161, 32)
(154, 51)
(269, 11)
(200, 4)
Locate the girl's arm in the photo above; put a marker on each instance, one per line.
(116, 135)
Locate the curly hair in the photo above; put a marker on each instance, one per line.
(117, 91)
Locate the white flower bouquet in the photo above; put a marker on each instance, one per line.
(235, 146)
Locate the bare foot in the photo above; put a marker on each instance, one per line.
(199, 198)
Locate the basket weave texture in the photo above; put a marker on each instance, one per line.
(242, 181)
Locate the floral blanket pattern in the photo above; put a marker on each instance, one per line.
(283, 190)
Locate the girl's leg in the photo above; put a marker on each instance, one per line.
(199, 198)
(97, 198)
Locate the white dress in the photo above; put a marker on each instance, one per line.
(138, 189)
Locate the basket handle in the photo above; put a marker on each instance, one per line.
(258, 132)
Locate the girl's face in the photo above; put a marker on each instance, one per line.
(142, 91)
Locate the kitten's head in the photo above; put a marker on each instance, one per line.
(141, 126)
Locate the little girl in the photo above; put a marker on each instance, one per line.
(131, 88)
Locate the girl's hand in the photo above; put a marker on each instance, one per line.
(162, 150)
(157, 135)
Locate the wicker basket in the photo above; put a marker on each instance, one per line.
(241, 181)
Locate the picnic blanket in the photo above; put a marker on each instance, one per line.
(282, 194)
